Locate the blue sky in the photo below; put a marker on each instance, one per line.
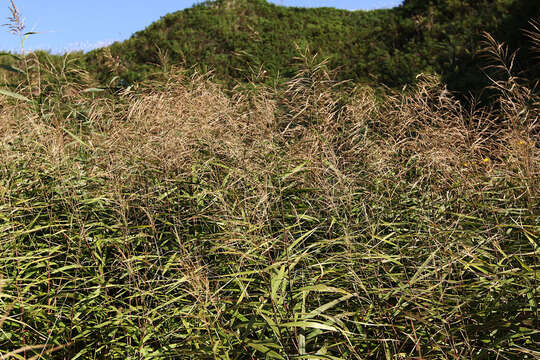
(67, 25)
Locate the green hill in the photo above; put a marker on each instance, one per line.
(235, 38)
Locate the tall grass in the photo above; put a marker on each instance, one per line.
(313, 220)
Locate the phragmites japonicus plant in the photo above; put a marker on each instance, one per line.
(312, 219)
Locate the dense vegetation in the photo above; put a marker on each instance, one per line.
(234, 38)
(306, 218)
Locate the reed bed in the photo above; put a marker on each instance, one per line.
(309, 220)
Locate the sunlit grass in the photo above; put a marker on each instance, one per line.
(309, 221)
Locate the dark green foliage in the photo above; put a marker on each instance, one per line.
(390, 47)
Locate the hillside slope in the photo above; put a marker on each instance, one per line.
(235, 38)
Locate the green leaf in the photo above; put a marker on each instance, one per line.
(295, 170)
(269, 353)
(13, 69)
(92, 90)
(310, 324)
(15, 56)
(300, 239)
(327, 306)
(276, 282)
(14, 95)
(76, 138)
(272, 325)
(323, 288)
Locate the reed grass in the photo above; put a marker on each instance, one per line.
(310, 220)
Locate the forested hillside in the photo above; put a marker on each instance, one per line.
(390, 47)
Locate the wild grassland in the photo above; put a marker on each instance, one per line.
(313, 220)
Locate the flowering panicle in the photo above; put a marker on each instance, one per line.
(16, 21)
